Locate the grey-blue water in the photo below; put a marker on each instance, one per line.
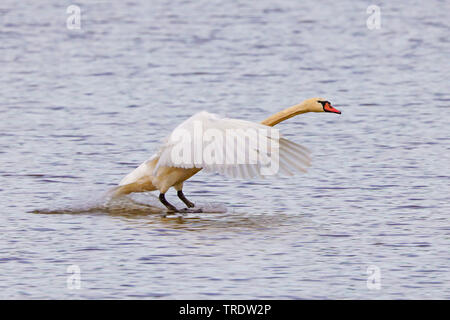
(81, 108)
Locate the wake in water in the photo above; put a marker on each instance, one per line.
(139, 204)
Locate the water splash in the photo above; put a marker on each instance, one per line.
(139, 204)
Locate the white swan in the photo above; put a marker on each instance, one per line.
(205, 131)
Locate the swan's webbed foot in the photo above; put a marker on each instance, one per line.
(172, 208)
(190, 210)
(183, 198)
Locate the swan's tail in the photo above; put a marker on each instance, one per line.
(122, 190)
(115, 192)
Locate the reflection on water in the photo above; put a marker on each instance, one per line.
(214, 215)
(82, 108)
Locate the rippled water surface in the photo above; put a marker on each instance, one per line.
(81, 108)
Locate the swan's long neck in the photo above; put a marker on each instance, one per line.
(286, 114)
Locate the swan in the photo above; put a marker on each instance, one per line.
(162, 171)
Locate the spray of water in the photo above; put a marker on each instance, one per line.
(107, 202)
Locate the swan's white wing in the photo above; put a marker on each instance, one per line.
(232, 147)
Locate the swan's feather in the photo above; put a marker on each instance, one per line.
(187, 145)
(145, 169)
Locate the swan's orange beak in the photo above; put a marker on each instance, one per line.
(328, 108)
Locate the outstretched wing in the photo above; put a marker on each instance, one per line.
(232, 147)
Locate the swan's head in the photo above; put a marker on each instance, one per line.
(320, 105)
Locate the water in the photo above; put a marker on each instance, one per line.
(82, 108)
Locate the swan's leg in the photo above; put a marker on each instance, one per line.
(188, 203)
(163, 200)
(183, 198)
(179, 188)
(180, 194)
